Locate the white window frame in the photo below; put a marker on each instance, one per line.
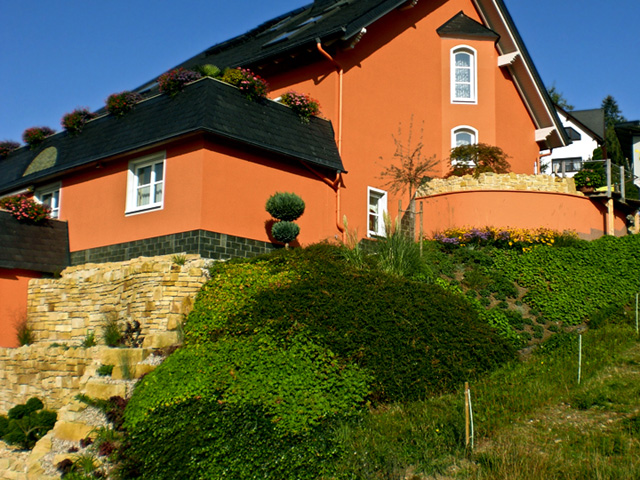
(462, 129)
(473, 71)
(50, 190)
(133, 183)
(382, 209)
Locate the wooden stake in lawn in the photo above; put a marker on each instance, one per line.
(579, 357)
(468, 418)
(637, 313)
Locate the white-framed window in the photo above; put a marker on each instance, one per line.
(145, 183)
(463, 135)
(464, 88)
(377, 208)
(50, 196)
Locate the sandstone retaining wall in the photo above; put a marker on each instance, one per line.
(495, 181)
(155, 291)
(52, 374)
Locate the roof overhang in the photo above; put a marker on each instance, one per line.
(515, 58)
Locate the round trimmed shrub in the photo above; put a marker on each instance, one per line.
(285, 232)
(285, 206)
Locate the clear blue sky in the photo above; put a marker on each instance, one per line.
(56, 55)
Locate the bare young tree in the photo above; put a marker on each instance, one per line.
(409, 168)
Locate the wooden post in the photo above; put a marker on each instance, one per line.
(466, 414)
(610, 217)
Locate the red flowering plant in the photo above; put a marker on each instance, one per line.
(74, 122)
(121, 103)
(6, 147)
(303, 105)
(251, 85)
(25, 209)
(34, 136)
(173, 81)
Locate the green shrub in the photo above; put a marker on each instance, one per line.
(242, 405)
(285, 232)
(285, 206)
(26, 424)
(111, 331)
(104, 370)
(570, 284)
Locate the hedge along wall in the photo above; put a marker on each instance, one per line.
(52, 374)
(155, 291)
(518, 209)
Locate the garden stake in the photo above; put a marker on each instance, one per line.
(470, 415)
(579, 357)
(637, 313)
(466, 414)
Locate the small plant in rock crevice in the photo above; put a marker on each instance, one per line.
(111, 331)
(24, 333)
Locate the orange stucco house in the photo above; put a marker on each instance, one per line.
(208, 158)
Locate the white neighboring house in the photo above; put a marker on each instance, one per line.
(586, 130)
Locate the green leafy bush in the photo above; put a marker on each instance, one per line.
(242, 405)
(279, 349)
(285, 206)
(572, 283)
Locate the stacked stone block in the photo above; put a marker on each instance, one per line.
(504, 181)
(155, 291)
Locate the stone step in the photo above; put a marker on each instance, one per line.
(161, 340)
(101, 388)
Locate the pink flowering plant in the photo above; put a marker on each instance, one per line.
(6, 147)
(74, 122)
(25, 209)
(303, 105)
(174, 81)
(34, 136)
(251, 85)
(119, 104)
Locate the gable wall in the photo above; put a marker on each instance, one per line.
(400, 70)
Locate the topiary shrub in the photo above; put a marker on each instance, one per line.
(285, 232)
(285, 206)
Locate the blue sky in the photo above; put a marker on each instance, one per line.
(59, 55)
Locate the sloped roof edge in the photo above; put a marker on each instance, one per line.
(528, 80)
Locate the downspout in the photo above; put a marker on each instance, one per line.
(335, 184)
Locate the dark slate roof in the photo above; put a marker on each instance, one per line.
(327, 20)
(462, 26)
(206, 106)
(592, 119)
(42, 248)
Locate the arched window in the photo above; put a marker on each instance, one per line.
(463, 75)
(463, 135)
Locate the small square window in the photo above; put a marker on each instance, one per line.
(50, 196)
(145, 189)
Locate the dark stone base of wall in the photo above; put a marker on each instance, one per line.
(208, 244)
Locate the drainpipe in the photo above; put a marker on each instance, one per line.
(335, 184)
(539, 161)
(340, 71)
